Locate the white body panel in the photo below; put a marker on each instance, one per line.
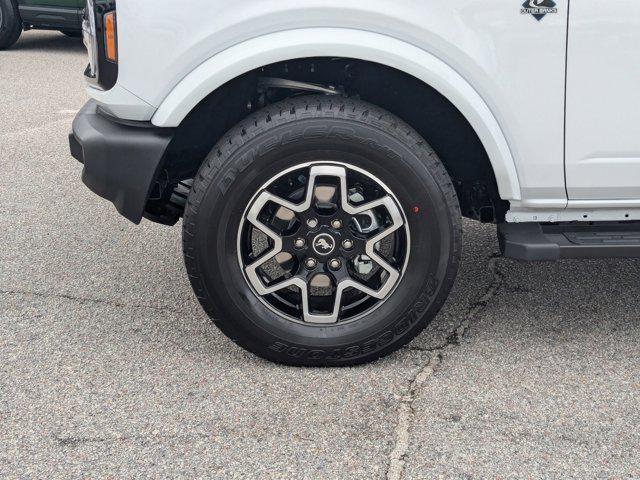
(504, 70)
(603, 101)
(340, 42)
(505, 59)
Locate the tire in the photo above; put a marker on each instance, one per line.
(72, 33)
(298, 135)
(10, 24)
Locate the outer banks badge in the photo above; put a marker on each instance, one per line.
(538, 8)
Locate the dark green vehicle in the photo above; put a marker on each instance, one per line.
(19, 15)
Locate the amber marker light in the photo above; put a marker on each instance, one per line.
(110, 42)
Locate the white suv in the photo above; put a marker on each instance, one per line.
(322, 153)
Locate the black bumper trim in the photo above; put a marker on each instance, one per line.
(120, 161)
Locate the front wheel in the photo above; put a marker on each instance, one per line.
(322, 231)
(10, 23)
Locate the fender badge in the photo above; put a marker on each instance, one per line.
(538, 8)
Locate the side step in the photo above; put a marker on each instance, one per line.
(535, 241)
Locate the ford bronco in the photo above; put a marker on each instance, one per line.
(321, 154)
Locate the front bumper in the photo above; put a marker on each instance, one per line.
(121, 160)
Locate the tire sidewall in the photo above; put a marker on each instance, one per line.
(10, 24)
(264, 155)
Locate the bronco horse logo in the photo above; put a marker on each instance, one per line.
(323, 244)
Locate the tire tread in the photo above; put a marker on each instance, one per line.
(319, 106)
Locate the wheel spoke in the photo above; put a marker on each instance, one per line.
(340, 289)
(309, 317)
(266, 197)
(303, 274)
(252, 269)
(315, 172)
(256, 281)
(291, 282)
(370, 246)
(351, 283)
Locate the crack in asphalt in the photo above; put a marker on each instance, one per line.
(406, 412)
(78, 441)
(84, 300)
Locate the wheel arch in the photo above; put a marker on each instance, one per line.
(355, 44)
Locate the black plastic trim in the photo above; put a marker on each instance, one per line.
(52, 18)
(106, 71)
(123, 121)
(535, 241)
(121, 162)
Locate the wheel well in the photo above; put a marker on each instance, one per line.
(418, 104)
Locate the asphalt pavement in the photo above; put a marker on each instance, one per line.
(109, 368)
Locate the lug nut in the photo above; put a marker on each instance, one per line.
(311, 263)
(337, 224)
(299, 243)
(335, 264)
(312, 223)
(347, 244)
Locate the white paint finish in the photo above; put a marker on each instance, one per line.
(595, 212)
(603, 100)
(514, 63)
(346, 43)
(121, 103)
(610, 177)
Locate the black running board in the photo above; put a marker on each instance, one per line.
(535, 241)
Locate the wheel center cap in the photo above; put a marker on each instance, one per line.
(324, 244)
